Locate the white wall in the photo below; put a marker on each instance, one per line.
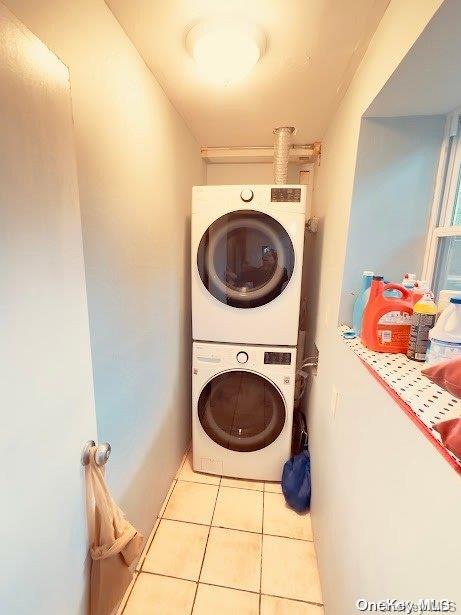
(247, 173)
(402, 23)
(47, 402)
(393, 190)
(385, 502)
(136, 163)
(369, 463)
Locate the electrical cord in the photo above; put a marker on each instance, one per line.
(302, 376)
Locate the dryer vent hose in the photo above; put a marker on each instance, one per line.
(281, 152)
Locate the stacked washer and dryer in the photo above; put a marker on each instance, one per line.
(247, 254)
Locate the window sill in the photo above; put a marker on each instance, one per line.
(423, 402)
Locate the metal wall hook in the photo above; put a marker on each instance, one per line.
(86, 452)
(102, 453)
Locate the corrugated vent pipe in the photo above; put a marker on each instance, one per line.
(281, 152)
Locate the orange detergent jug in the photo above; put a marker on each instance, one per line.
(387, 320)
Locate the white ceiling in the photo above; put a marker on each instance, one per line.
(314, 47)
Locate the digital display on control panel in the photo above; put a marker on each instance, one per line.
(277, 358)
(285, 195)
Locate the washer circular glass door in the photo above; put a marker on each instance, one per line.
(245, 259)
(241, 411)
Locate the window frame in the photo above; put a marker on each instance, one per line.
(444, 202)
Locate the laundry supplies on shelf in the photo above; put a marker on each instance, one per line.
(444, 299)
(420, 289)
(361, 301)
(387, 319)
(446, 335)
(409, 281)
(422, 321)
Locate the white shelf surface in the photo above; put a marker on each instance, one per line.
(429, 403)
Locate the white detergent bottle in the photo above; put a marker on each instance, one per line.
(446, 335)
(444, 299)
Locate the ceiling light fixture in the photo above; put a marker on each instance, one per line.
(225, 50)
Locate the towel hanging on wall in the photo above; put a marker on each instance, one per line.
(114, 543)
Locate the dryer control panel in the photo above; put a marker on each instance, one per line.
(277, 358)
(286, 195)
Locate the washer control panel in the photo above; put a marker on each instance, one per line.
(277, 361)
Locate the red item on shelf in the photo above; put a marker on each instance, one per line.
(446, 374)
(387, 320)
(450, 432)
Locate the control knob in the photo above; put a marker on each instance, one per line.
(242, 357)
(246, 195)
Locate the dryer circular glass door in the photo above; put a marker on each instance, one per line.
(245, 259)
(241, 411)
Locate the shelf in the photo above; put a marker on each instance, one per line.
(424, 402)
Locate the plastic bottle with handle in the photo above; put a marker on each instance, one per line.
(361, 301)
(387, 319)
(422, 321)
(446, 335)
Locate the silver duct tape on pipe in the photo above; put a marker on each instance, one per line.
(281, 152)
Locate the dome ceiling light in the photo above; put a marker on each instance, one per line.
(225, 50)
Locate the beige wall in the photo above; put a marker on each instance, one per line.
(369, 462)
(248, 173)
(136, 163)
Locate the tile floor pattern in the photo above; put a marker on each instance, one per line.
(225, 546)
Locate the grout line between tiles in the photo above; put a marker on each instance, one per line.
(150, 540)
(189, 522)
(242, 488)
(191, 480)
(196, 482)
(147, 546)
(183, 461)
(161, 512)
(261, 560)
(127, 594)
(237, 589)
(293, 599)
(236, 529)
(206, 545)
(287, 537)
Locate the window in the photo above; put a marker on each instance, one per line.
(442, 265)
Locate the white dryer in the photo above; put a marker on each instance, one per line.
(247, 254)
(242, 409)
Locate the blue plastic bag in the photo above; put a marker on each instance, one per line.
(296, 482)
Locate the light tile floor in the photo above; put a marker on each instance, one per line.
(227, 546)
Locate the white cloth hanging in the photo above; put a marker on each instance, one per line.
(114, 543)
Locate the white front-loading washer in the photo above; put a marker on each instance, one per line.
(247, 254)
(242, 409)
